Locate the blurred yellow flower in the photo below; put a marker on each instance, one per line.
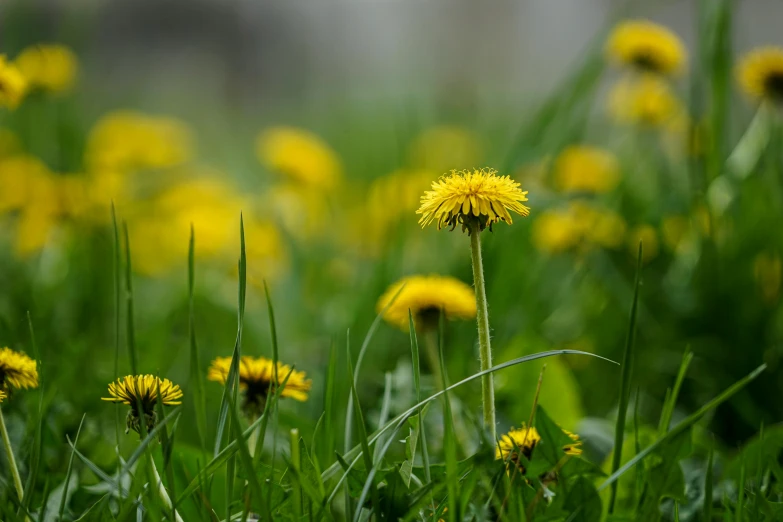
(425, 297)
(646, 46)
(581, 225)
(257, 380)
(555, 231)
(760, 74)
(13, 85)
(445, 148)
(141, 392)
(646, 100)
(51, 67)
(300, 155)
(576, 447)
(3, 396)
(125, 140)
(768, 272)
(581, 168)
(648, 236)
(600, 226)
(302, 212)
(17, 371)
(160, 235)
(479, 195)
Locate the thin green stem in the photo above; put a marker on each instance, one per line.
(11, 460)
(164, 496)
(482, 319)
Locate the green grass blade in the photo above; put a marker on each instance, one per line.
(117, 320)
(449, 442)
(707, 510)
(362, 428)
(131, 331)
(359, 359)
(668, 406)
(684, 425)
(231, 448)
(330, 394)
(416, 361)
(625, 379)
(35, 456)
(196, 377)
(244, 454)
(69, 470)
(231, 386)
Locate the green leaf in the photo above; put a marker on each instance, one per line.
(553, 438)
(582, 494)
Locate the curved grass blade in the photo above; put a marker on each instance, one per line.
(69, 471)
(395, 424)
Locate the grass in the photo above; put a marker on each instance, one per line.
(385, 434)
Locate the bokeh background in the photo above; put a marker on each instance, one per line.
(324, 122)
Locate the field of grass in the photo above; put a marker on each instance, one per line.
(317, 347)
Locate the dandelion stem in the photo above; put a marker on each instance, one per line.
(482, 319)
(11, 460)
(164, 496)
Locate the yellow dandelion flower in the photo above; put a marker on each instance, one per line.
(257, 380)
(581, 168)
(555, 231)
(300, 155)
(3, 396)
(13, 85)
(51, 67)
(760, 74)
(524, 440)
(425, 297)
(646, 46)
(141, 392)
(647, 101)
(648, 236)
(127, 140)
(768, 272)
(479, 196)
(444, 148)
(17, 370)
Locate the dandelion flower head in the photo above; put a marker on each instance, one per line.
(300, 155)
(760, 74)
(3, 396)
(646, 46)
(477, 196)
(141, 392)
(13, 85)
(524, 440)
(51, 67)
(257, 380)
(17, 371)
(425, 297)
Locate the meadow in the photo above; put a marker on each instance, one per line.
(571, 314)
